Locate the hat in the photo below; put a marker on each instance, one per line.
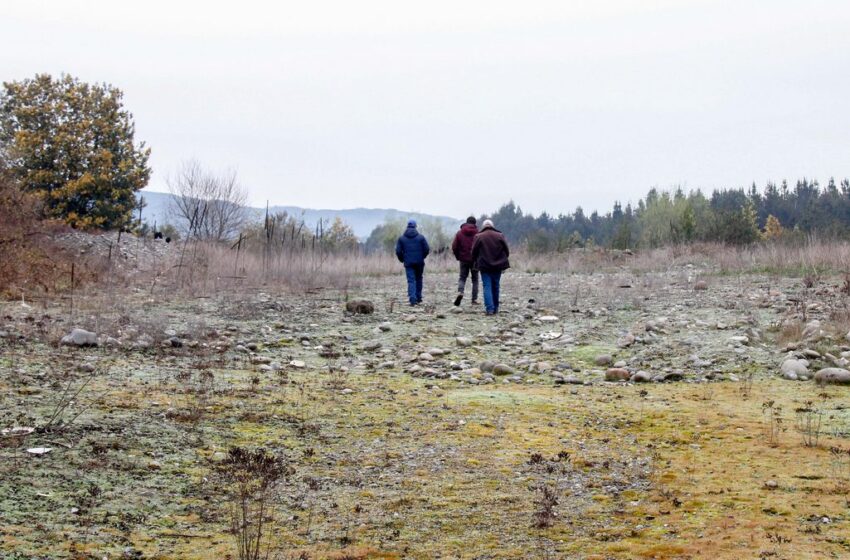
(411, 223)
(471, 220)
(488, 223)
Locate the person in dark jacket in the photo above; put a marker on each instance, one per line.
(490, 253)
(412, 250)
(462, 250)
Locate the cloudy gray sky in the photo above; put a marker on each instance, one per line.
(452, 107)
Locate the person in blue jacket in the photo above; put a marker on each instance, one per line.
(412, 250)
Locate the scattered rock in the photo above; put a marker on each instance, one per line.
(80, 338)
(794, 369)
(701, 285)
(360, 307)
(626, 340)
(603, 360)
(617, 374)
(548, 319)
(39, 450)
(503, 369)
(297, 364)
(464, 341)
(812, 331)
(641, 377)
(833, 376)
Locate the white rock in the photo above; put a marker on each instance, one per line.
(39, 450)
(835, 376)
(298, 364)
(79, 337)
(548, 319)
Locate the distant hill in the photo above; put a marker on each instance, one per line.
(361, 220)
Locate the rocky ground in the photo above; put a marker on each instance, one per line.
(606, 415)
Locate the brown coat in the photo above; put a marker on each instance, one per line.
(490, 251)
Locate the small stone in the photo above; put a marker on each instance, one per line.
(487, 366)
(463, 341)
(548, 319)
(385, 327)
(701, 286)
(626, 340)
(372, 345)
(641, 377)
(80, 338)
(503, 369)
(603, 360)
(298, 364)
(792, 369)
(617, 374)
(833, 376)
(426, 357)
(360, 307)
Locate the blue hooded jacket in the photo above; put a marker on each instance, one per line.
(412, 247)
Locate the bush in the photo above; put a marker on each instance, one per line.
(31, 261)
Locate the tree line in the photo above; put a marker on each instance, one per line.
(732, 216)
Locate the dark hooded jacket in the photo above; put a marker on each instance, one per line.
(462, 244)
(412, 247)
(490, 251)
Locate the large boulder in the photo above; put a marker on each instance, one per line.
(794, 369)
(833, 376)
(80, 338)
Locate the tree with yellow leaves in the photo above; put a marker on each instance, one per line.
(772, 228)
(71, 143)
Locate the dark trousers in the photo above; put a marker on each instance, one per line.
(414, 282)
(490, 282)
(465, 270)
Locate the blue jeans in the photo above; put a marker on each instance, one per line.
(490, 283)
(414, 282)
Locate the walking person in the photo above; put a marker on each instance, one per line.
(490, 254)
(462, 250)
(412, 249)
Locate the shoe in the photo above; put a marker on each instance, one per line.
(474, 302)
(458, 299)
(489, 313)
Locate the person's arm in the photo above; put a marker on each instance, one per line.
(426, 250)
(505, 245)
(455, 247)
(399, 250)
(476, 249)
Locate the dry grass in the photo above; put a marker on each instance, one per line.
(30, 261)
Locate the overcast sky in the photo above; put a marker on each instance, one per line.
(455, 107)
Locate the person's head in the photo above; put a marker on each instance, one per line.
(488, 223)
(411, 224)
(471, 220)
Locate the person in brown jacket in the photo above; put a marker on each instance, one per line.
(490, 254)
